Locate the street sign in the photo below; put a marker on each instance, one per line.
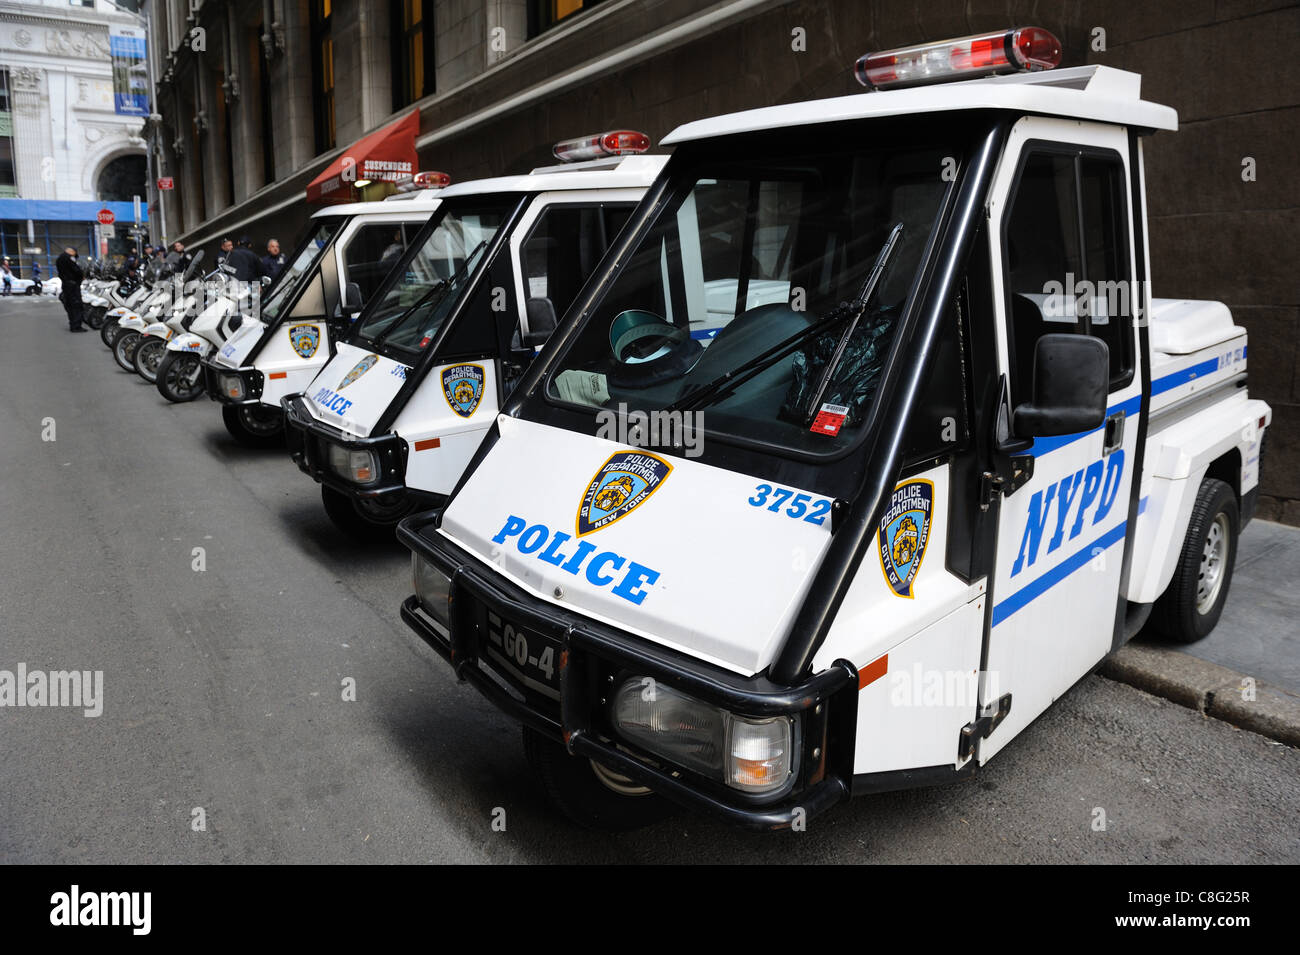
(106, 217)
(135, 207)
(107, 232)
(166, 183)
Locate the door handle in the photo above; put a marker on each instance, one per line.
(1114, 433)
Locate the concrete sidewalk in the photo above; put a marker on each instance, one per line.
(1253, 652)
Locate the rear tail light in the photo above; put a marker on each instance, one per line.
(620, 142)
(1026, 49)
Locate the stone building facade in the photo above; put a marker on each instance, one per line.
(58, 118)
(254, 118)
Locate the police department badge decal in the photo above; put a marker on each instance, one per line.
(904, 532)
(359, 369)
(305, 339)
(462, 386)
(620, 486)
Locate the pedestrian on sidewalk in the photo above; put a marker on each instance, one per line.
(71, 274)
(36, 275)
(8, 277)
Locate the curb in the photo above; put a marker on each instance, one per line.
(1209, 688)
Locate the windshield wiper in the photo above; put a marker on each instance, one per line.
(730, 380)
(858, 308)
(444, 286)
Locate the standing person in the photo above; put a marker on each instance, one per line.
(227, 247)
(182, 259)
(244, 261)
(36, 275)
(8, 277)
(71, 274)
(273, 261)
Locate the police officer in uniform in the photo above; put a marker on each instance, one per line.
(71, 274)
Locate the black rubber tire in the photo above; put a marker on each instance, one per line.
(1176, 615)
(124, 349)
(173, 371)
(245, 431)
(148, 356)
(30, 290)
(108, 331)
(95, 317)
(351, 519)
(572, 786)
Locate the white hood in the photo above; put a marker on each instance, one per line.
(354, 389)
(694, 565)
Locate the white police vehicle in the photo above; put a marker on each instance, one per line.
(964, 461)
(341, 261)
(391, 421)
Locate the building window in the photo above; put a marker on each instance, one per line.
(268, 121)
(323, 72)
(544, 14)
(413, 65)
(8, 175)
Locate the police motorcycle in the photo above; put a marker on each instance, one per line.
(390, 422)
(227, 305)
(158, 330)
(160, 324)
(116, 300)
(96, 283)
(342, 259)
(165, 299)
(928, 496)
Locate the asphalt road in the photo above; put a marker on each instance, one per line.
(222, 687)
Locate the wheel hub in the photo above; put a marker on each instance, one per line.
(617, 781)
(1209, 581)
(259, 421)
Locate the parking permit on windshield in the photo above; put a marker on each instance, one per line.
(830, 419)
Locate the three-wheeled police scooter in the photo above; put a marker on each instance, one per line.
(963, 462)
(391, 421)
(341, 261)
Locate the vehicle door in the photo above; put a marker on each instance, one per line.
(1063, 262)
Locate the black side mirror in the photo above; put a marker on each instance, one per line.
(541, 321)
(1071, 380)
(351, 300)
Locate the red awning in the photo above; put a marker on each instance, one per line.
(386, 154)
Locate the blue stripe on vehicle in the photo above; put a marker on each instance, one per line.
(1173, 380)
(1042, 446)
(705, 333)
(1030, 592)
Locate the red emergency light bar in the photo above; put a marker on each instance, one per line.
(1025, 49)
(431, 180)
(619, 142)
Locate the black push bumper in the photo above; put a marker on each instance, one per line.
(251, 378)
(594, 656)
(309, 444)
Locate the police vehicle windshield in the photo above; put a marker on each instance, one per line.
(309, 250)
(735, 303)
(415, 303)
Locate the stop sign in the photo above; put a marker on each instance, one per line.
(106, 217)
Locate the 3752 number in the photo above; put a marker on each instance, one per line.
(793, 504)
